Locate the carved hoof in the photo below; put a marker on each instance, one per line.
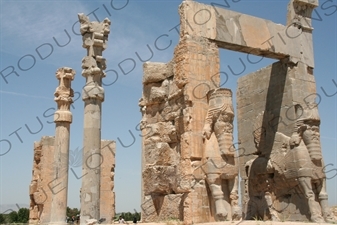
(236, 213)
(274, 218)
(329, 218)
(222, 216)
(220, 210)
(317, 219)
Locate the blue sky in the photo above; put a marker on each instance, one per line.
(27, 40)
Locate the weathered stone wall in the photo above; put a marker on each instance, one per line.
(197, 68)
(40, 191)
(161, 111)
(267, 119)
(174, 107)
(107, 195)
(280, 155)
(263, 90)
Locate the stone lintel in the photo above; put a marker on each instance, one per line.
(244, 33)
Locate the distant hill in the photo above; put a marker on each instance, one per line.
(7, 208)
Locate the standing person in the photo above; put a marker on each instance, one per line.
(121, 220)
(78, 218)
(134, 220)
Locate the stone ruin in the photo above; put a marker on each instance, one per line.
(41, 192)
(95, 36)
(49, 185)
(282, 166)
(190, 167)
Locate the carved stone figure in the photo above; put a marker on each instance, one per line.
(296, 165)
(221, 169)
(305, 144)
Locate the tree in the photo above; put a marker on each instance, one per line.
(2, 219)
(72, 212)
(128, 216)
(137, 215)
(23, 215)
(13, 217)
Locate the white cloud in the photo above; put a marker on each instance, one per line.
(24, 95)
(30, 24)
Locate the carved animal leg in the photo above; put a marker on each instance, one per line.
(234, 197)
(252, 209)
(214, 182)
(305, 184)
(323, 200)
(269, 201)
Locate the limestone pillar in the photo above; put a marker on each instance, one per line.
(62, 119)
(95, 37)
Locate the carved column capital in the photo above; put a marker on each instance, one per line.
(63, 94)
(299, 13)
(95, 36)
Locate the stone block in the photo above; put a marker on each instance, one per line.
(157, 208)
(156, 72)
(159, 179)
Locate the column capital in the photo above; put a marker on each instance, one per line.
(299, 13)
(94, 36)
(63, 94)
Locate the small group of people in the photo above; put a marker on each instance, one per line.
(121, 220)
(74, 219)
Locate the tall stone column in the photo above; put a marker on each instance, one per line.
(95, 36)
(62, 119)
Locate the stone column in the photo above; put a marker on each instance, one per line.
(95, 37)
(62, 119)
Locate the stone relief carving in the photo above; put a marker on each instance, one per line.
(222, 170)
(36, 207)
(295, 167)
